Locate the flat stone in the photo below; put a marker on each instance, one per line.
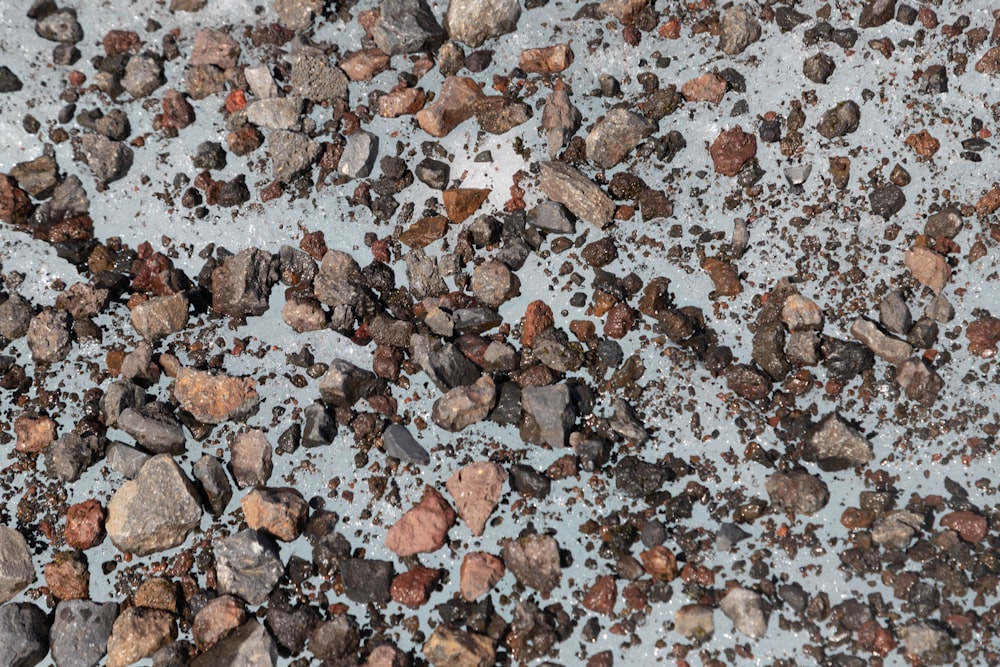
(739, 28)
(154, 428)
(423, 528)
(534, 561)
(359, 155)
(215, 398)
(479, 573)
(297, 15)
(365, 64)
(160, 316)
(242, 285)
(80, 632)
(424, 231)
(315, 78)
(477, 488)
(460, 203)
(367, 580)
(292, 154)
(564, 184)
(560, 119)
(216, 619)
(833, 445)
(248, 565)
(250, 459)
(891, 349)
(549, 414)
(454, 104)
(275, 113)
(731, 150)
(137, 633)
(928, 267)
(455, 648)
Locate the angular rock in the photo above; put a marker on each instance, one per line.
(460, 203)
(216, 619)
(137, 633)
(534, 561)
(367, 580)
(363, 65)
(9, 82)
(15, 204)
(292, 154)
(423, 528)
(154, 427)
(297, 15)
(637, 478)
(85, 524)
(930, 269)
(423, 275)
(475, 22)
(38, 177)
(68, 457)
(34, 433)
(891, 349)
(80, 632)
(748, 381)
(842, 119)
(344, 384)
(400, 443)
(108, 160)
(124, 460)
(455, 648)
(560, 119)
(748, 611)
(160, 316)
(833, 445)
(279, 512)
(320, 427)
(17, 571)
(877, 12)
(414, 587)
(549, 413)
(886, 200)
(739, 29)
(155, 511)
(49, 336)
(247, 565)
(896, 529)
(275, 113)
(564, 184)
(250, 645)
(315, 78)
(615, 136)
(797, 491)
(894, 314)
(477, 488)
(731, 150)
(215, 398)
(359, 155)
(479, 573)
(919, 381)
(928, 643)
(250, 459)
(60, 26)
(845, 360)
(242, 285)
(709, 87)
(550, 216)
(971, 527)
(547, 59)
(455, 103)
(143, 75)
(214, 47)
(67, 576)
(406, 26)
(15, 317)
(336, 641)
(211, 474)
(463, 406)
(819, 68)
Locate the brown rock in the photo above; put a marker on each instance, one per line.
(479, 573)
(280, 512)
(709, 87)
(537, 317)
(854, 518)
(15, 204)
(493, 284)
(990, 62)
(244, 140)
(158, 593)
(213, 399)
(250, 456)
(584, 199)
(177, 111)
(137, 633)
(387, 656)
(68, 576)
(216, 620)
(970, 526)
(477, 488)
(602, 596)
(214, 47)
(724, 276)
(34, 434)
(120, 41)
(660, 562)
(620, 320)
(364, 64)
(731, 150)
(749, 382)
(534, 561)
(455, 648)
(424, 231)
(840, 171)
(983, 335)
(801, 314)
(928, 267)
(401, 102)
(546, 60)
(460, 203)
(424, 528)
(923, 143)
(989, 202)
(85, 524)
(413, 588)
(454, 104)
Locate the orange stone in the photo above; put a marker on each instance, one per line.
(537, 317)
(660, 562)
(34, 434)
(460, 203)
(923, 143)
(546, 60)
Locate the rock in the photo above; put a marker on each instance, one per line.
(9, 82)
(549, 413)
(947, 223)
(414, 587)
(250, 459)
(731, 150)
(204, 80)
(454, 104)
(615, 136)
(143, 75)
(748, 611)
(336, 641)
(315, 78)
(320, 427)
(896, 529)
(160, 316)
(216, 619)
(842, 119)
(406, 26)
(215, 398)
(108, 160)
(67, 457)
(80, 632)
(477, 488)
(833, 445)
(38, 177)
(214, 47)
(67, 576)
(894, 314)
(695, 621)
(797, 491)
(154, 427)
(34, 433)
(178, 114)
(584, 199)
(919, 381)
(769, 350)
(547, 59)
(367, 580)
(990, 62)
(15, 317)
(16, 569)
(242, 285)
(211, 474)
(344, 384)
(891, 349)
(625, 423)
(475, 22)
(923, 334)
(425, 231)
(709, 87)
(928, 643)
(279, 512)
(550, 216)
(433, 173)
(249, 645)
(423, 528)
(297, 15)
(845, 360)
(479, 573)
(601, 596)
(819, 68)
(290, 627)
(15, 204)
(560, 119)
(247, 565)
(363, 65)
(137, 633)
(971, 527)
(423, 275)
(463, 406)
(739, 28)
(292, 154)
(399, 443)
(275, 113)
(455, 648)
(534, 561)
(637, 478)
(60, 26)
(748, 382)
(124, 460)
(244, 141)
(85, 524)
(303, 313)
(24, 634)
(155, 511)
(929, 268)
(983, 335)
(460, 203)
(359, 155)
(386, 655)
(877, 12)
(49, 336)
(886, 200)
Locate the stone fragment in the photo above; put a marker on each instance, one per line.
(9, 82)
(564, 184)
(477, 488)
(560, 119)
(125, 460)
(928, 643)
(359, 155)
(67, 576)
(160, 316)
(887, 347)
(930, 269)
(367, 580)
(601, 596)
(250, 459)
(216, 619)
(423, 274)
(400, 443)
(24, 634)
(709, 87)
(479, 573)
(971, 527)
(406, 26)
(990, 62)
(60, 25)
(279, 512)
(297, 15)
(534, 561)
(143, 75)
(475, 22)
(797, 491)
(894, 314)
(154, 427)
(886, 200)
(17, 571)
(315, 78)
(550, 216)
(68, 457)
(211, 474)
(731, 150)
(549, 414)
(454, 104)
(344, 384)
(433, 173)
(292, 154)
(49, 336)
(739, 28)
(387, 655)
(241, 286)
(249, 645)
(425, 231)
(616, 136)
(413, 588)
(725, 277)
(155, 511)
(336, 641)
(38, 177)
(748, 611)
(215, 398)
(845, 360)
(80, 632)
(204, 80)
(214, 47)
(108, 160)
(695, 621)
(819, 68)
(34, 433)
(137, 633)
(748, 381)
(919, 381)
(877, 12)
(423, 528)
(275, 113)
(547, 59)
(463, 406)
(177, 112)
(460, 203)
(447, 647)
(85, 524)
(833, 445)
(247, 565)
(842, 119)
(363, 65)
(801, 314)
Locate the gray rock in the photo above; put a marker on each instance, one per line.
(344, 384)
(143, 75)
(367, 580)
(729, 535)
(155, 511)
(548, 416)
(315, 78)
(476, 21)
(247, 565)
(211, 474)
(275, 113)
(16, 569)
(886, 200)
(446, 366)
(560, 120)
(550, 216)
(136, 365)
(336, 641)
(748, 611)
(883, 345)
(250, 459)
(923, 334)
(209, 155)
(242, 285)
(625, 423)
(615, 136)
(423, 275)
(173, 654)
(69, 198)
(477, 319)
(214, 47)
(67, 457)
(80, 632)
(528, 482)
(947, 223)
(60, 26)
(842, 119)
(250, 645)
(125, 460)
(160, 316)
(295, 266)
(939, 309)
(493, 283)
(340, 282)
(564, 184)
(463, 406)
(119, 395)
(359, 155)
(320, 427)
(553, 348)
(833, 444)
(769, 350)
(24, 635)
(797, 491)
(154, 427)
(406, 26)
(38, 177)
(49, 336)
(637, 478)
(15, 317)
(108, 160)
(297, 15)
(533, 559)
(592, 453)
(261, 82)
(896, 529)
(292, 154)
(390, 332)
(928, 643)
(400, 443)
(919, 381)
(894, 314)
(433, 173)
(739, 28)
(9, 82)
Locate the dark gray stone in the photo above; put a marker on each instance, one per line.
(248, 565)
(67, 457)
(108, 160)
(400, 443)
(886, 200)
(947, 223)
(320, 427)
(626, 423)
(209, 155)
(840, 120)
(315, 78)
(242, 285)
(248, 645)
(845, 360)
(528, 482)
(876, 13)
(894, 314)
(295, 266)
(211, 474)
(154, 427)
(653, 533)
(80, 632)
(336, 641)
(433, 173)
(592, 453)
(769, 350)
(15, 317)
(423, 275)
(797, 491)
(367, 580)
(406, 26)
(9, 82)
(550, 216)
(533, 559)
(549, 414)
(120, 395)
(344, 384)
(637, 478)
(24, 635)
(819, 68)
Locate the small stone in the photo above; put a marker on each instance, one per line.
(836, 445)
(739, 28)
(990, 62)
(24, 634)
(550, 216)
(154, 427)
(930, 644)
(477, 488)
(275, 113)
(204, 80)
(214, 47)
(315, 78)
(433, 173)
(584, 199)
(454, 104)
(60, 26)
(297, 15)
(877, 12)
(616, 136)
(475, 22)
(244, 141)
(85, 524)
(709, 87)
(971, 527)
(292, 154)
(124, 460)
(137, 633)
(947, 223)
(247, 565)
(493, 284)
(894, 314)
(797, 491)
(547, 59)
(660, 563)
(336, 641)
(320, 426)
(886, 200)
(155, 511)
(479, 573)
(423, 274)
(143, 75)
(80, 632)
(250, 459)
(242, 285)
(67, 576)
(748, 611)
(400, 443)
(601, 596)
(34, 433)
(406, 26)
(250, 644)
(363, 65)
(279, 512)
(49, 336)
(891, 349)
(211, 474)
(386, 655)
(344, 384)
(929, 268)
(68, 457)
(983, 335)
(534, 561)
(560, 119)
(695, 621)
(460, 203)
(108, 160)
(842, 119)
(923, 143)
(367, 580)
(217, 619)
(15, 208)
(896, 529)
(9, 82)
(17, 571)
(725, 278)
(819, 68)
(423, 528)
(38, 177)
(801, 314)
(359, 155)
(454, 648)
(845, 360)
(303, 313)
(413, 588)
(731, 150)
(548, 416)
(401, 102)
(160, 316)
(215, 398)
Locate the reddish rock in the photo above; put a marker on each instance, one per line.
(460, 203)
(970, 526)
(85, 524)
(387, 656)
(15, 204)
(855, 519)
(928, 267)
(923, 143)
(660, 562)
(120, 41)
(364, 64)
(413, 588)
(989, 202)
(546, 60)
(314, 244)
(454, 104)
(68, 576)
(476, 489)
(158, 593)
(709, 87)
(537, 317)
(724, 276)
(213, 399)
(731, 150)
(177, 111)
(244, 140)
(424, 528)
(479, 573)
(983, 335)
(620, 320)
(602, 596)
(280, 512)
(401, 102)
(34, 434)
(456, 648)
(990, 62)
(749, 382)
(214, 47)
(424, 231)
(216, 620)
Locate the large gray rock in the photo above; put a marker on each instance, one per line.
(24, 635)
(108, 160)
(80, 632)
(155, 511)
(584, 199)
(406, 26)
(247, 564)
(250, 645)
(833, 444)
(400, 443)
(16, 569)
(154, 427)
(475, 21)
(242, 285)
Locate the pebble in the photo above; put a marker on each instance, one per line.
(731, 150)
(461, 203)
(423, 528)
(214, 47)
(315, 78)
(708, 87)
(928, 268)
(547, 59)
(433, 173)
(990, 62)
(983, 335)
(448, 647)
(695, 621)
(465, 405)
(475, 22)
(49, 336)
(15, 312)
(406, 26)
(80, 632)
(971, 527)
(886, 347)
(841, 120)
(615, 136)
(143, 75)
(216, 619)
(423, 274)
(297, 15)
(367, 580)
(38, 177)
(108, 160)
(363, 65)
(320, 426)
(336, 641)
(739, 28)
(533, 559)
(250, 459)
(836, 445)
(493, 284)
(819, 68)
(292, 154)
(748, 611)
(919, 381)
(279, 512)
(250, 644)
(549, 414)
(894, 314)
(67, 576)
(215, 398)
(275, 113)
(247, 565)
(413, 588)
(660, 563)
(67, 457)
(929, 644)
(241, 286)
(211, 474)
(479, 573)
(60, 26)
(584, 199)
(748, 382)
(454, 104)
(155, 428)
(24, 634)
(560, 119)
(160, 316)
(34, 433)
(344, 384)
(359, 155)
(9, 82)
(125, 460)
(155, 511)
(137, 633)
(797, 492)
(85, 524)
(400, 443)
(845, 360)
(886, 200)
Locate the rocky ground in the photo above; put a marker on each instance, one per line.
(493, 332)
